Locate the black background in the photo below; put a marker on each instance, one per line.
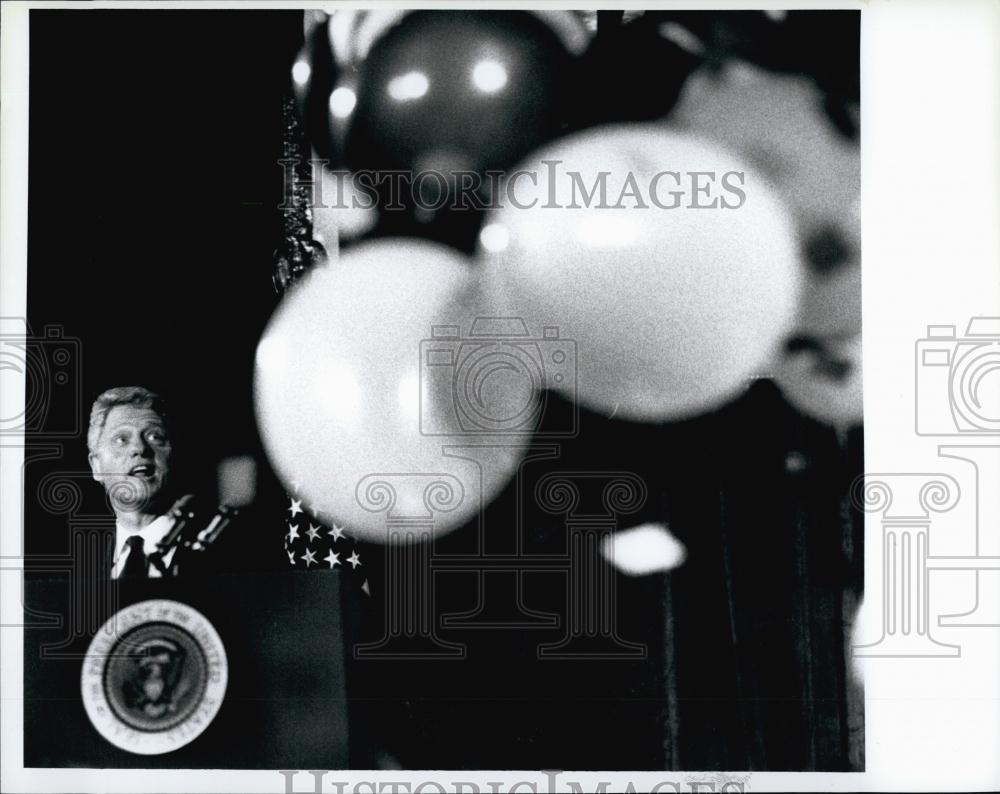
(154, 183)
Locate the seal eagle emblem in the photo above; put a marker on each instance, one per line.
(154, 677)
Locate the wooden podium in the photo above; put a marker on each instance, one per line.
(284, 702)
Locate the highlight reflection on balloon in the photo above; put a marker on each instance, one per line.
(344, 408)
(673, 300)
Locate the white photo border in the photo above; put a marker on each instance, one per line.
(930, 137)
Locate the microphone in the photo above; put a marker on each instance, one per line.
(222, 518)
(180, 516)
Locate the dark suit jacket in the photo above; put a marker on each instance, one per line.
(239, 549)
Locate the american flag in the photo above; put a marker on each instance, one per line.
(315, 546)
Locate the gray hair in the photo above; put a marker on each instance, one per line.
(137, 396)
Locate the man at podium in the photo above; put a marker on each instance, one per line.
(183, 646)
(158, 532)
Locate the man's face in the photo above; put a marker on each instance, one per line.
(132, 458)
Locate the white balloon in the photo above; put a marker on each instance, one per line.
(779, 120)
(672, 308)
(358, 399)
(817, 170)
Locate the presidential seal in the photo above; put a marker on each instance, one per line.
(154, 677)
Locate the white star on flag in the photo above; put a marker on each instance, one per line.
(311, 542)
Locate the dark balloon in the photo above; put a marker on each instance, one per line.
(447, 92)
(313, 75)
(459, 89)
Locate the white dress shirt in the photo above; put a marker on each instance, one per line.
(151, 534)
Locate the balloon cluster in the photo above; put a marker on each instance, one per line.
(605, 264)
(440, 93)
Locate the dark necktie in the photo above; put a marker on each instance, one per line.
(136, 562)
